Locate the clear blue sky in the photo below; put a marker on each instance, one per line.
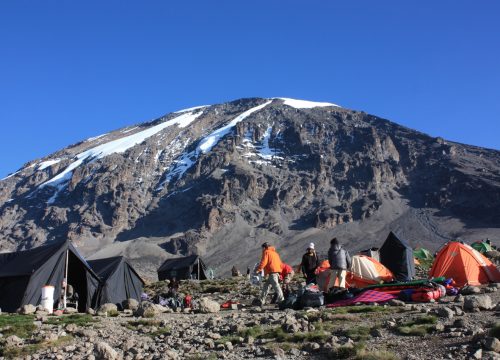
(74, 69)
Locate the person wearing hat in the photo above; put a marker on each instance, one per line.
(340, 262)
(271, 264)
(309, 264)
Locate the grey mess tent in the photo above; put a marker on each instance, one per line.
(119, 280)
(371, 252)
(24, 273)
(397, 256)
(188, 267)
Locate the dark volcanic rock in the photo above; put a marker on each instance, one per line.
(284, 174)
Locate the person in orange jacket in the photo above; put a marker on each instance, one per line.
(271, 264)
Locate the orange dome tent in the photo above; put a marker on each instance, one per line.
(464, 264)
(367, 271)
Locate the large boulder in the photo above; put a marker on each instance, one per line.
(208, 305)
(107, 309)
(130, 304)
(470, 290)
(12, 341)
(105, 352)
(290, 324)
(478, 302)
(147, 310)
(445, 312)
(492, 344)
(27, 309)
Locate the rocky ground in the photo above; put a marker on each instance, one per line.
(460, 327)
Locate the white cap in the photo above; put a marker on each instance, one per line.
(311, 246)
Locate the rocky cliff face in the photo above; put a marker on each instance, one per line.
(219, 180)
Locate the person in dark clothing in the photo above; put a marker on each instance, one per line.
(340, 262)
(309, 264)
(173, 287)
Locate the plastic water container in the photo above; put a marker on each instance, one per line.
(48, 298)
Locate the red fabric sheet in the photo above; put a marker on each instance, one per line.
(366, 297)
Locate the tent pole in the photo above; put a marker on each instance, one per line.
(199, 268)
(65, 279)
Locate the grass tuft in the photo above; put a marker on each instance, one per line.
(77, 319)
(138, 324)
(19, 325)
(418, 327)
(358, 333)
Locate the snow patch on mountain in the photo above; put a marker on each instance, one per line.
(304, 104)
(129, 130)
(260, 152)
(186, 160)
(116, 146)
(45, 164)
(191, 109)
(210, 141)
(95, 138)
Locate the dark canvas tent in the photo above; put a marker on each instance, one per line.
(24, 273)
(183, 268)
(397, 256)
(119, 280)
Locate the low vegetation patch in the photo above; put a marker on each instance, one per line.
(154, 327)
(358, 333)
(33, 347)
(19, 325)
(347, 352)
(375, 355)
(361, 309)
(280, 336)
(77, 319)
(212, 356)
(285, 346)
(418, 327)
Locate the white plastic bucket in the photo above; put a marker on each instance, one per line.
(48, 298)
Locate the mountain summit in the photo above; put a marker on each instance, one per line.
(218, 180)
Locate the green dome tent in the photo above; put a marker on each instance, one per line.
(482, 247)
(422, 254)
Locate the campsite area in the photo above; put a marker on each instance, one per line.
(223, 323)
(399, 303)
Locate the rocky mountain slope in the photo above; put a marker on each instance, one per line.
(218, 180)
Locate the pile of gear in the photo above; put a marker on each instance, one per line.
(389, 273)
